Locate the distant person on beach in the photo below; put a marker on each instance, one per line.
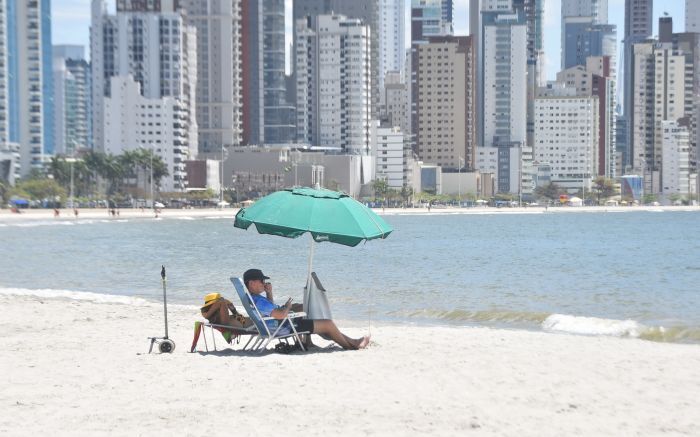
(75, 211)
(255, 282)
(56, 212)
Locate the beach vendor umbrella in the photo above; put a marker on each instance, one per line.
(326, 215)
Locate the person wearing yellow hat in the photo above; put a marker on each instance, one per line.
(221, 311)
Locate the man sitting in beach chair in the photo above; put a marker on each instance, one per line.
(255, 282)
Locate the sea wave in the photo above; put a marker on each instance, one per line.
(564, 323)
(620, 328)
(60, 222)
(492, 316)
(49, 293)
(34, 224)
(592, 326)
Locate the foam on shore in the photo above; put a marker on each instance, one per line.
(593, 326)
(49, 293)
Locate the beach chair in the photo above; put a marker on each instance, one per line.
(264, 333)
(229, 333)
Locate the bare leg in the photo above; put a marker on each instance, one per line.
(328, 328)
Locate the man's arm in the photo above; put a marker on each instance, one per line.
(268, 292)
(213, 308)
(281, 312)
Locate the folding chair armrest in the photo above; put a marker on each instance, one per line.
(290, 315)
(250, 329)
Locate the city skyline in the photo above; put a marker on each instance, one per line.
(71, 23)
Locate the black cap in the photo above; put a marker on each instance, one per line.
(252, 275)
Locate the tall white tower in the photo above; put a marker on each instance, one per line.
(219, 70)
(391, 40)
(334, 87)
(26, 81)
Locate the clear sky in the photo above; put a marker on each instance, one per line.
(71, 23)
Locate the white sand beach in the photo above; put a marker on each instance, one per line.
(80, 367)
(6, 216)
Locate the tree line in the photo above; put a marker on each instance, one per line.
(95, 175)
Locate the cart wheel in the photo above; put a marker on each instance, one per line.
(166, 346)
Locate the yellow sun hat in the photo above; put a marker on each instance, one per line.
(211, 298)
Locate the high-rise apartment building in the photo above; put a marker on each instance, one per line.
(638, 27)
(662, 92)
(47, 74)
(27, 92)
(426, 21)
(391, 40)
(638, 19)
(365, 10)
(9, 152)
(444, 109)
(596, 9)
(72, 109)
(396, 108)
(219, 71)
(332, 55)
(506, 76)
(675, 159)
(505, 79)
(596, 79)
(584, 38)
(692, 16)
(485, 11)
(664, 86)
(4, 77)
(505, 106)
(566, 136)
(534, 13)
(687, 44)
(267, 116)
(580, 33)
(156, 48)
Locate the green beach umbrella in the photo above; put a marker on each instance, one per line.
(326, 215)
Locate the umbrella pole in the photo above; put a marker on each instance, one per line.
(308, 275)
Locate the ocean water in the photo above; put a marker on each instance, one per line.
(631, 274)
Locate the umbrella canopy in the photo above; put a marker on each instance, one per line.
(327, 215)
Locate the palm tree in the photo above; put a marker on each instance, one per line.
(603, 188)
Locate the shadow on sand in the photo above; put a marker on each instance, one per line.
(229, 352)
